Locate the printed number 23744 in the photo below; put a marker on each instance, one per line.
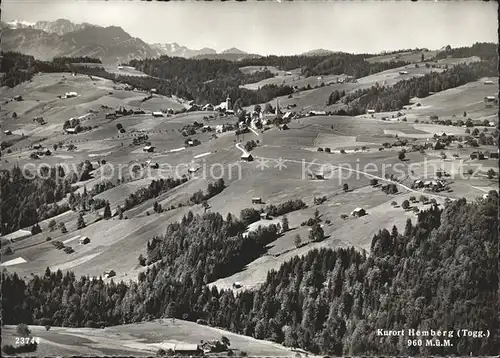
(27, 340)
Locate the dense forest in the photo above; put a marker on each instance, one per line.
(393, 98)
(205, 248)
(25, 200)
(352, 65)
(439, 273)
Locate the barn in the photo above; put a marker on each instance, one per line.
(256, 200)
(84, 240)
(358, 212)
(109, 273)
(247, 157)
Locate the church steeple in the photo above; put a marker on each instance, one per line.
(277, 107)
(228, 102)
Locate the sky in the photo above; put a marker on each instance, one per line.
(280, 28)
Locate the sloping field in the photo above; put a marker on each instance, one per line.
(292, 80)
(410, 56)
(453, 102)
(316, 99)
(337, 132)
(141, 339)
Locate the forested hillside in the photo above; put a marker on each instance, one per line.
(484, 50)
(384, 99)
(439, 273)
(212, 80)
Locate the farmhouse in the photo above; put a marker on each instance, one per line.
(247, 157)
(358, 212)
(403, 72)
(265, 216)
(476, 155)
(193, 108)
(17, 235)
(488, 82)
(71, 130)
(154, 165)
(319, 176)
(153, 90)
(109, 273)
(317, 113)
(7, 132)
(237, 285)
(18, 98)
(190, 142)
(70, 94)
(84, 240)
(221, 128)
(157, 114)
(256, 201)
(418, 184)
(193, 170)
(208, 107)
(149, 149)
(287, 115)
(370, 111)
(185, 349)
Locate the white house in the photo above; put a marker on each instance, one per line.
(370, 111)
(317, 113)
(157, 114)
(70, 130)
(403, 72)
(488, 82)
(71, 94)
(247, 157)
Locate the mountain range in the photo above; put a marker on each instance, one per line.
(47, 39)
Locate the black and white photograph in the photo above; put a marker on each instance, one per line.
(306, 179)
